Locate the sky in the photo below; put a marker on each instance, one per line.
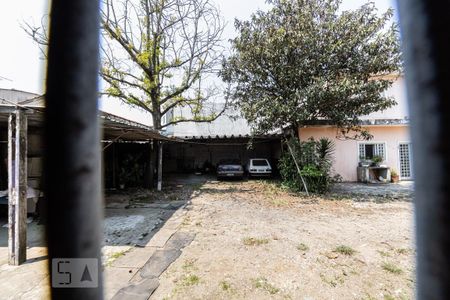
(22, 68)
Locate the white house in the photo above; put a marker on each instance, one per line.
(391, 139)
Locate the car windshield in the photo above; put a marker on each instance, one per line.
(229, 162)
(259, 162)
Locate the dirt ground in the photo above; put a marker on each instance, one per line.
(254, 240)
(250, 240)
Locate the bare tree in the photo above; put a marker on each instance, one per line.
(159, 55)
(168, 49)
(39, 34)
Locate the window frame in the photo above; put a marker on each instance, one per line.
(385, 158)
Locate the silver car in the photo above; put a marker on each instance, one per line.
(230, 168)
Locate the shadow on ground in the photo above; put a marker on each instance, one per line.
(131, 217)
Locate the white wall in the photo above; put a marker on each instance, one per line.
(400, 111)
(230, 123)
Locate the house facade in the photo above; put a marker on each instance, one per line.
(391, 139)
(228, 136)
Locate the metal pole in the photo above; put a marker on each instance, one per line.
(114, 166)
(151, 165)
(17, 188)
(426, 39)
(72, 177)
(298, 168)
(160, 162)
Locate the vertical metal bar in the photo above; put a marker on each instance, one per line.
(160, 162)
(72, 145)
(426, 39)
(151, 165)
(154, 163)
(114, 166)
(298, 167)
(17, 188)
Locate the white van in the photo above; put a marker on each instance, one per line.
(259, 167)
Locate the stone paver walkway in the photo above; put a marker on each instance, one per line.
(141, 241)
(150, 262)
(361, 191)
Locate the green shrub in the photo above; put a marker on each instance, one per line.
(345, 250)
(391, 268)
(315, 159)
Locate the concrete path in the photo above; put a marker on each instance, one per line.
(146, 264)
(28, 281)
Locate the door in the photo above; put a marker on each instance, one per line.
(405, 157)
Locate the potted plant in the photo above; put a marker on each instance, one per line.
(394, 176)
(377, 160)
(364, 162)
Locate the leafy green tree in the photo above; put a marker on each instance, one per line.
(304, 62)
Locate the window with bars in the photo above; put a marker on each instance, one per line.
(369, 150)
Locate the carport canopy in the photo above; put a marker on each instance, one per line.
(20, 111)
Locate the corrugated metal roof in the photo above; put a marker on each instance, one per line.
(114, 127)
(228, 137)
